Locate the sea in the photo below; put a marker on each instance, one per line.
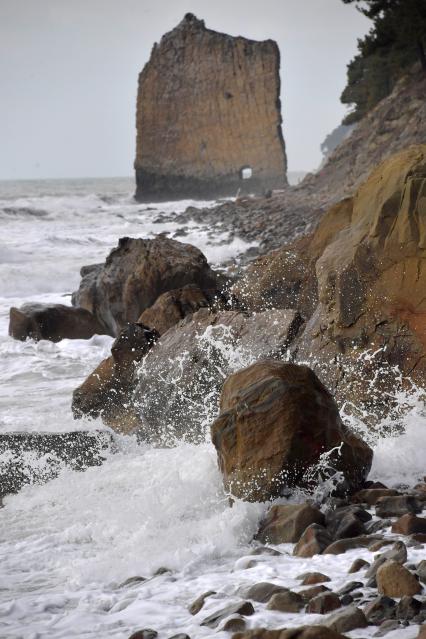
(67, 546)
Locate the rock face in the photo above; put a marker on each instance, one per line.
(275, 422)
(107, 390)
(135, 274)
(53, 322)
(208, 116)
(358, 280)
(179, 382)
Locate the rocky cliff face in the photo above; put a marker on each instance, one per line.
(208, 116)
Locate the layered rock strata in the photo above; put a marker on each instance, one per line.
(208, 116)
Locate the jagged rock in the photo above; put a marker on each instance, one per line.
(179, 400)
(241, 608)
(397, 506)
(358, 565)
(285, 602)
(53, 322)
(379, 609)
(173, 306)
(311, 578)
(346, 522)
(409, 524)
(208, 107)
(276, 419)
(107, 390)
(136, 273)
(199, 602)
(346, 620)
(313, 541)
(324, 603)
(394, 580)
(285, 523)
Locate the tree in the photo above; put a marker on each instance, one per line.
(396, 40)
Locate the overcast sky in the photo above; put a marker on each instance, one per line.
(68, 75)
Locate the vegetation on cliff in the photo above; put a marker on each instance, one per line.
(395, 42)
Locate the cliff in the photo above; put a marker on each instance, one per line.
(208, 116)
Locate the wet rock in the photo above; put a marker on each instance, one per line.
(263, 591)
(342, 545)
(180, 636)
(346, 620)
(409, 524)
(313, 541)
(199, 602)
(358, 565)
(132, 581)
(173, 306)
(379, 609)
(286, 602)
(234, 624)
(309, 593)
(347, 600)
(375, 526)
(311, 578)
(346, 522)
(147, 633)
(370, 496)
(378, 545)
(286, 523)
(303, 632)
(394, 580)
(53, 322)
(324, 603)
(397, 553)
(176, 402)
(275, 421)
(265, 550)
(408, 608)
(136, 273)
(240, 608)
(350, 587)
(422, 632)
(397, 506)
(107, 391)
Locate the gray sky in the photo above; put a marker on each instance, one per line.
(68, 75)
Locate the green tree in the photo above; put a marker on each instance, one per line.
(396, 40)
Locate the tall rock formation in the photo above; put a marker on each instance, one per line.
(208, 116)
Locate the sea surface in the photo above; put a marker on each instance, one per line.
(66, 546)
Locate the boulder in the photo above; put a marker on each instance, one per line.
(397, 506)
(397, 553)
(302, 632)
(173, 306)
(370, 496)
(53, 322)
(199, 602)
(314, 591)
(347, 521)
(313, 541)
(244, 608)
(323, 603)
(263, 591)
(286, 602)
(395, 580)
(276, 422)
(357, 565)
(342, 545)
(179, 382)
(346, 620)
(136, 273)
(379, 609)
(106, 391)
(409, 524)
(311, 578)
(285, 523)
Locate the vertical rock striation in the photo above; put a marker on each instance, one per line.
(208, 116)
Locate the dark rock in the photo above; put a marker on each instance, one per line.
(409, 524)
(309, 593)
(408, 608)
(241, 608)
(345, 525)
(387, 626)
(132, 581)
(286, 404)
(358, 565)
(265, 550)
(147, 633)
(286, 523)
(373, 527)
(234, 624)
(397, 506)
(199, 602)
(347, 600)
(421, 571)
(324, 603)
(313, 541)
(370, 496)
(379, 609)
(286, 602)
(53, 322)
(263, 591)
(346, 620)
(350, 587)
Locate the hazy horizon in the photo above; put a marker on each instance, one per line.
(68, 73)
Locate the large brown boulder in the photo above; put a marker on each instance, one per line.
(276, 423)
(53, 322)
(106, 391)
(136, 273)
